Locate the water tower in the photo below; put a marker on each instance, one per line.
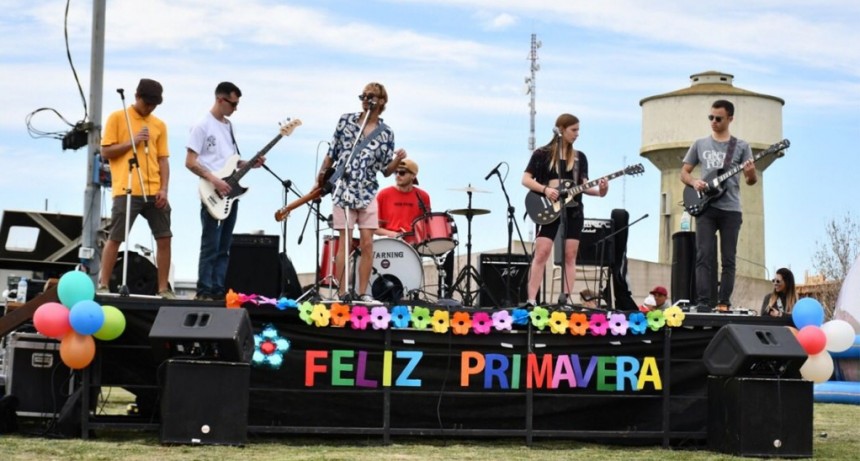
(672, 121)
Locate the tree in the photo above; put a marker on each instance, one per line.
(833, 257)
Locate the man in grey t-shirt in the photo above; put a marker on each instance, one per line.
(723, 214)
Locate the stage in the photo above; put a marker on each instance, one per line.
(528, 383)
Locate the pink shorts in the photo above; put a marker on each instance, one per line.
(367, 218)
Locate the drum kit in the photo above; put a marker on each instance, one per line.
(398, 271)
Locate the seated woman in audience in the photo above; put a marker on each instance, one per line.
(783, 297)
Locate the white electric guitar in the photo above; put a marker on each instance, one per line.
(219, 206)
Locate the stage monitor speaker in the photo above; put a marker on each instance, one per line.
(209, 333)
(205, 403)
(494, 274)
(762, 417)
(254, 267)
(754, 350)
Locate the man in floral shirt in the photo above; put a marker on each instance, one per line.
(359, 156)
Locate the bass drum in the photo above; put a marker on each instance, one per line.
(397, 270)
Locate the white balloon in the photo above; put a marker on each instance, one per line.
(840, 335)
(818, 368)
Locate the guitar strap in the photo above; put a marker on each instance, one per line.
(364, 142)
(232, 137)
(730, 152)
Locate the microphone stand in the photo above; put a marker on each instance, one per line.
(602, 243)
(507, 300)
(288, 187)
(132, 164)
(563, 298)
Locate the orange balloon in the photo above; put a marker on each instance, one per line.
(792, 330)
(77, 350)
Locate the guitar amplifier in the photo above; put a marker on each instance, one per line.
(254, 265)
(594, 231)
(493, 268)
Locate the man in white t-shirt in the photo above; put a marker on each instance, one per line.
(211, 144)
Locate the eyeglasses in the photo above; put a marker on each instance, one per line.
(776, 281)
(232, 103)
(718, 118)
(402, 172)
(366, 97)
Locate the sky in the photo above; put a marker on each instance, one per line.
(455, 73)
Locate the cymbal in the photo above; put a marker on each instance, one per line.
(469, 189)
(469, 211)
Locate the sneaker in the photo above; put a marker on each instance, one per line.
(167, 294)
(202, 297)
(102, 289)
(530, 303)
(368, 299)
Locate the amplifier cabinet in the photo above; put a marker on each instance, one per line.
(36, 375)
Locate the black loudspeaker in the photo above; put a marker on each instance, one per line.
(590, 251)
(36, 375)
(290, 286)
(754, 350)
(142, 275)
(210, 333)
(623, 297)
(205, 402)
(762, 417)
(254, 267)
(684, 266)
(493, 268)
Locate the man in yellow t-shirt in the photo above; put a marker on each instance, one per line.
(150, 139)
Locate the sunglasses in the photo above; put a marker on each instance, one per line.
(232, 103)
(402, 172)
(366, 97)
(718, 118)
(776, 281)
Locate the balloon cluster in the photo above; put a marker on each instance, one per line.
(819, 339)
(76, 326)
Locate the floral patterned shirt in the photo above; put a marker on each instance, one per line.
(361, 185)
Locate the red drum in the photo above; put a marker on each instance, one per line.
(408, 237)
(435, 234)
(328, 266)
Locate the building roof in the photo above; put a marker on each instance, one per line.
(714, 83)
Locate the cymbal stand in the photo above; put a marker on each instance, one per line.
(468, 272)
(441, 288)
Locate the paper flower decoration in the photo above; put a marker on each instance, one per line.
(598, 324)
(674, 316)
(359, 318)
(265, 300)
(481, 323)
(243, 298)
(269, 348)
(379, 318)
(440, 321)
(285, 303)
(558, 323)
(320, 315)
(232, 299)
(578, 324)
(400, 317)
(420, 317)
(637, 323)
(618, 324)
(502, 320)
(656, 319)
(540, 317)
(461, 323)
(520, 316)
(339, 314)
(305, 310)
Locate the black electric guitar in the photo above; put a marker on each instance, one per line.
(696, 202)
(543, 211)
(219, 206)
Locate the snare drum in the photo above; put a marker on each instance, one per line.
(435, 234)
(397, 270)
(328, 263)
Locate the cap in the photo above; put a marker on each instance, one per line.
(659, 290)
(150, 91)
(411, 167)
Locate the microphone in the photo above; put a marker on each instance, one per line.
(121, 92)
(495, 170)
(372, 103)
(146, 142)
(421, 203)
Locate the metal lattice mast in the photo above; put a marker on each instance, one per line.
(530, 89)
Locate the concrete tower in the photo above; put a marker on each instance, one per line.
(672, 121)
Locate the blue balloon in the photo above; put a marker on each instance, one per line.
(807, 311)
(75, 286)
(86, 317)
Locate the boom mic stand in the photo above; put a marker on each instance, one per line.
(507, 300)
(601, 252)
(132, 164)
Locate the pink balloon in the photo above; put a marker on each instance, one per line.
(52, 320)
(812, 339)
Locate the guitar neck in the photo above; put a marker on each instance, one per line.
(737, 168)
(579, 189)
(253, 160)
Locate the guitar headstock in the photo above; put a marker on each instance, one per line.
(634, 169)
(288, 126)
(780, 147)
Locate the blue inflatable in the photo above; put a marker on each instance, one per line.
(844, 387)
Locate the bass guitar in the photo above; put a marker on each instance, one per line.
(315, 193)
(696, 202)
(219, 206)
(543, 211)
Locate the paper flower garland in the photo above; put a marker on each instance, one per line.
(540, 317)
(379, 318)
(320, 315)
(502, 320)
(598, 324)
(558, 323)
(618, 324)
(461, 323)
(674, 316)
(400, 317)
(481, 323)
(578, 324)
(269, 348)
(339, 314)
(420, 317)
(359, 318)
(656, 320)
(440, 321)
(637, 323)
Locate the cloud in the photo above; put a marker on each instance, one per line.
(500, 21)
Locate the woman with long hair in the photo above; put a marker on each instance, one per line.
(783, 297)
(548, 166)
